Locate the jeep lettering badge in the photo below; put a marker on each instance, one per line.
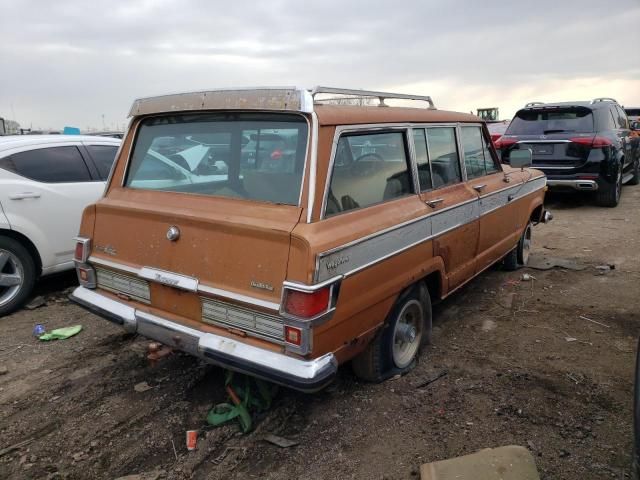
(333, 264)
(166, 280)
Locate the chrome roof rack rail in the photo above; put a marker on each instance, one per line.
(603, 99)
(361, 94)
(533, 104)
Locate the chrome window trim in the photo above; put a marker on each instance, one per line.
(313, 166)
(463, 167)
(517, 195)
(203, 112)
(201, 288)
(413, 161)
(426, 144)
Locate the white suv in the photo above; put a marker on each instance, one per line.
(46, 181)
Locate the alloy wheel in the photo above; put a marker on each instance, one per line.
(407, 333)
(11, 276)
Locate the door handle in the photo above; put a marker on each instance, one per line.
(23, 195)
(434, 203)
(479, 188)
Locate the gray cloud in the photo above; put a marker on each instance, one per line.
(69, 62)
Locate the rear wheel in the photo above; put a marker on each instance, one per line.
(17, 275)
(519, 256)
(608, 194)
(395, 348)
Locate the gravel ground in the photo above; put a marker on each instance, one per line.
(518, 363)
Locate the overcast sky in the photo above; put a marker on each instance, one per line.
(70, 62)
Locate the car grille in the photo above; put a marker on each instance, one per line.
(253, 323)
(129, 285)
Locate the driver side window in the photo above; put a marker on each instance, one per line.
(368, 169)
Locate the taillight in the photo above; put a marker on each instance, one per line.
(86, 275)
(505, 142)
(593, 142)
(307, 304)
(293, 335)
(495, 137)
(81, 252)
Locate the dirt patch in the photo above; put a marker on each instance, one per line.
(512, 377)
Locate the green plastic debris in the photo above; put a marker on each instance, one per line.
(251, 396)
(61, 333)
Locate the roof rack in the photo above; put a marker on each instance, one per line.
(603, 99)
(533, 104)
(381, 96)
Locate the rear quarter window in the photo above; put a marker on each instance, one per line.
(103, 156)
(541, 121)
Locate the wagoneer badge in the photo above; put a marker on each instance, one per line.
(173, 233)
(261, 285)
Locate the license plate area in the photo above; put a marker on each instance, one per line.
(180, 340)
(542, 149)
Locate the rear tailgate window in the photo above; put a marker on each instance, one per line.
(239, 155)
(542, 121)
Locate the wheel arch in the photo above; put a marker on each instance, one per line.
(28, 244)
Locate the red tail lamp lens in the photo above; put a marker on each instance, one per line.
(505, 142)
(593, 142)
(79, 253)
(293, 335)
(307, 304)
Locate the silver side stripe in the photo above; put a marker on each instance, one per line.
(355, 256)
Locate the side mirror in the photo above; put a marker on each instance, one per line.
(635, 126)
(520, 158)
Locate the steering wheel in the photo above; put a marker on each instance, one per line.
(362, 166)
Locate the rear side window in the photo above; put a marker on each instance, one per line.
(368, 169)
(443, 152)
(552, 120)
(49, 165)
(254, 156)
(103, 156)
(632, 112)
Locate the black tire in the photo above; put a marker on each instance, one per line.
(379, 360)
(608, 194)
(519, 256)
(635, 180)
(18, 260)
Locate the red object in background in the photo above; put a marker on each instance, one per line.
(276, 154)
(192, 439)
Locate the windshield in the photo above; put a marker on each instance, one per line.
(552, 120)
(240, 155)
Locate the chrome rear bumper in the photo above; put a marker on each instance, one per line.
(590, 185)
(303, 375)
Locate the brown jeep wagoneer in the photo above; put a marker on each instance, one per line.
(280, 233)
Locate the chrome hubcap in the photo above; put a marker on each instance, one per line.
(526, 245)
(11, 276)
(407, 334)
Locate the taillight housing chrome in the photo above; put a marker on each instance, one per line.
(83, 247)
(86, 273)
(304, 307)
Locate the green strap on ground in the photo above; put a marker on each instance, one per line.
(255, 396)
(61, 333)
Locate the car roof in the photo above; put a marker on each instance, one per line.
(586, 104)
(17, 141)
(353, 115)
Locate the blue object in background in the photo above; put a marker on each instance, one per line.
(71, 131)
(38, 330)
